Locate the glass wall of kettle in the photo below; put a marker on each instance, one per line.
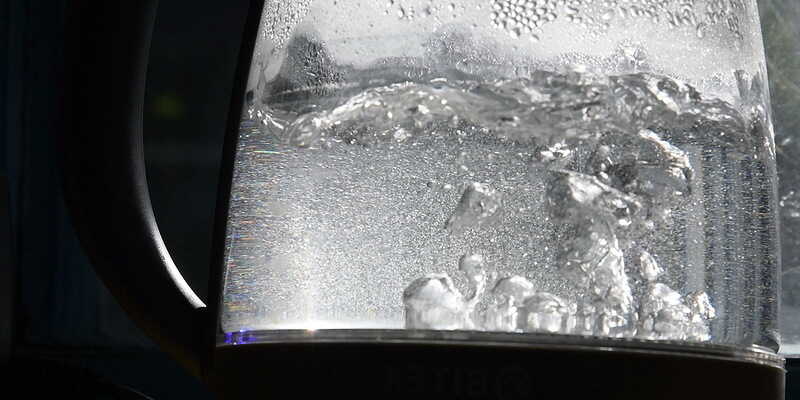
(781, 26)
(531, 166)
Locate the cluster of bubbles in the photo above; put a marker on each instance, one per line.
(526, 17)
(523, 17)
(432, 9)
(593, 260)
(626, 190)
(605, 202)
(283, 17)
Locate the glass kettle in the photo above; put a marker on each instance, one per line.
(470, 199)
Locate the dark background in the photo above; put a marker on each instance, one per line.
(62, 321)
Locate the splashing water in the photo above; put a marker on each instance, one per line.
(557, 203)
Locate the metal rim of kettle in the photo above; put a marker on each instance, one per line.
(532, 341)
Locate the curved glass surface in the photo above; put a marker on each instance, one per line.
(596, 169)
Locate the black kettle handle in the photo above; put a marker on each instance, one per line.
(103, 168)
(105, 186)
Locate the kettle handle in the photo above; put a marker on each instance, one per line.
(105, 186)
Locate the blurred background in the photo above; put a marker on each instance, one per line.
(58, 321)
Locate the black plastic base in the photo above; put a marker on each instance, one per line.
(463, 371)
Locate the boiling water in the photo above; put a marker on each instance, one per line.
(621, 206)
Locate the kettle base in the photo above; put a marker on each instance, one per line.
(464, 370)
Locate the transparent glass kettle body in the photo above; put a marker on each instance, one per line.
(594, 168)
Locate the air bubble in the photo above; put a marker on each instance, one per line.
(472, 265)
(479, 204)
(701, 30)
(433, 302)
(648, 267)
(545, 312)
